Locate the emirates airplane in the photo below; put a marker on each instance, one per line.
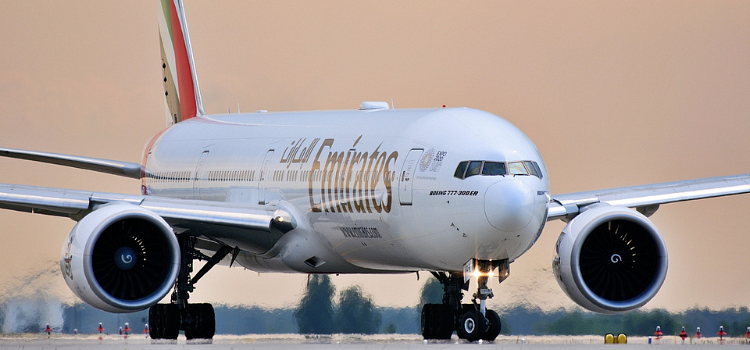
(458, 192)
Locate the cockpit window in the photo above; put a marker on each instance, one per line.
(517, 168)
(493, 168)
(470, 168)
(533, 168)
(461, 169)
(475, 168)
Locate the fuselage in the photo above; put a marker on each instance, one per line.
(371, 190)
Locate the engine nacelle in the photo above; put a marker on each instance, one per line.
(121, 258)
(610, 259)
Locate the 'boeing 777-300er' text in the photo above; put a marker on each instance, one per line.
(458, 192)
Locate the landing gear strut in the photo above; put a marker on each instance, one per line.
(470, 321)
(197, 320)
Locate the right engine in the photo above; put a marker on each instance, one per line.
(121, 258)
(610, 259)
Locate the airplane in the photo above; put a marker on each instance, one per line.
(374, 190)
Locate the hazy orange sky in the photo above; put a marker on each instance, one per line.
(614, 94)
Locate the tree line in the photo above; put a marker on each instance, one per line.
(317, 313)
(322, 310)
(356, 313)
(643, 322)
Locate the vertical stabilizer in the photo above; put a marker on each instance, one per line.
(181, 93)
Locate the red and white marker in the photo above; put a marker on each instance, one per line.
(658, 332)
(721, 332)
(683, 334)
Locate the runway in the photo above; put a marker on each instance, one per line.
(357, 342)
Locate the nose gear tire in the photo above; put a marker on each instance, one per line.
(494, 327)
(472, 325)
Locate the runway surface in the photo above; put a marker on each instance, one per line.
(357, 342)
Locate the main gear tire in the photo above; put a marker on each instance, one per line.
(164, 321)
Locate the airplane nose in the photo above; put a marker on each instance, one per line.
(509, 205)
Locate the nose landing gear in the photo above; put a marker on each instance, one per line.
(470, 321)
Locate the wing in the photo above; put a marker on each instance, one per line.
(131, 170)
(647, 198)
(252, 228)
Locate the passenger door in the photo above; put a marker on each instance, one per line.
(406, 180)
(200, 180)
(263, 179)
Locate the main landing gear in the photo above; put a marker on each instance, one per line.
(197, 320)
(470, 321)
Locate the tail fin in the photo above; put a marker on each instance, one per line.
(181, 92)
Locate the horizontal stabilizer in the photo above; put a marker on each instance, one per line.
(131, 170)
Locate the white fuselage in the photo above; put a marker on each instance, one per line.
(371, 190)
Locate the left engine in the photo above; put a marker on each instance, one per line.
(121, 258)
(610, 259)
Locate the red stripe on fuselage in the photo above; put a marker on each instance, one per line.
(188, 106)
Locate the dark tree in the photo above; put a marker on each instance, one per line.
(357, 313)
(390, 328)
(644, 322)
(315, 311)
(432, 293)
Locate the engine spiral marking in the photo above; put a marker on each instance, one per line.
(127, 258)
(615, 258)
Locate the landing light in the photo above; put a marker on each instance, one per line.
(477, 274)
